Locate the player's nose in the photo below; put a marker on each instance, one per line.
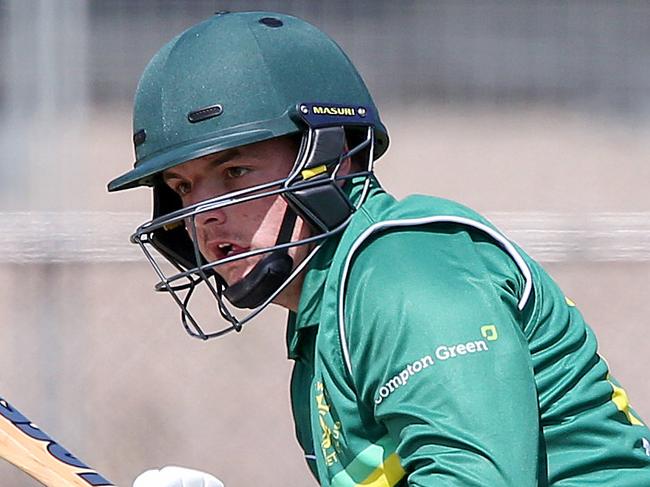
(200, 226)
(211, 217)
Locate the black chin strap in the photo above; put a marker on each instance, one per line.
(286, 229)
(268, 274)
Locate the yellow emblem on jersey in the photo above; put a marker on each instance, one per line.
(489, 332)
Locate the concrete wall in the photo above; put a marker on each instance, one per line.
(101, 362)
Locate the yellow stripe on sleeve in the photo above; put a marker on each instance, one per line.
(386, 475)
(619, 397)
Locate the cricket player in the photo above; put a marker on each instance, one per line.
(429, 349)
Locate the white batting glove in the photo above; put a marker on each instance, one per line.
(176, 477)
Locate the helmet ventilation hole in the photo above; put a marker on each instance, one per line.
(139, 137)
(271, 22)
(205, 113)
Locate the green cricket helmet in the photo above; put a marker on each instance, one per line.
(233, 80)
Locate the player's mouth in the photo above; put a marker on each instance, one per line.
(232, 271)
(221, 250)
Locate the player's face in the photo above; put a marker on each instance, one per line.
(245, 226)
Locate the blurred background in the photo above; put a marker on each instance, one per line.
(536, 113)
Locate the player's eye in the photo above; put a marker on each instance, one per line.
(182, 188)
(235, 172)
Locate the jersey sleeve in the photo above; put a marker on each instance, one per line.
(436, 354)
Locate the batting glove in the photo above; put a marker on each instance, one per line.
(176, 477)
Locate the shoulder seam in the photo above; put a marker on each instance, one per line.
(367, 214)
(382, 225)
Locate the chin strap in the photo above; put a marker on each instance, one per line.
(268, 274)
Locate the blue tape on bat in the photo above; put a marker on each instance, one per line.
(56, 450)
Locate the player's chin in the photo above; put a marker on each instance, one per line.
(233, 272)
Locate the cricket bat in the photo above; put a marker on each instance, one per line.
(24, 445)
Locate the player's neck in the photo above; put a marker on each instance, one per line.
(290, 297)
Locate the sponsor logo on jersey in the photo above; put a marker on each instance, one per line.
(441, 353)
(489, 332)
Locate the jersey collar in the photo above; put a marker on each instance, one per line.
(311, 296)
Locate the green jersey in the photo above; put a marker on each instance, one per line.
(431, 351)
